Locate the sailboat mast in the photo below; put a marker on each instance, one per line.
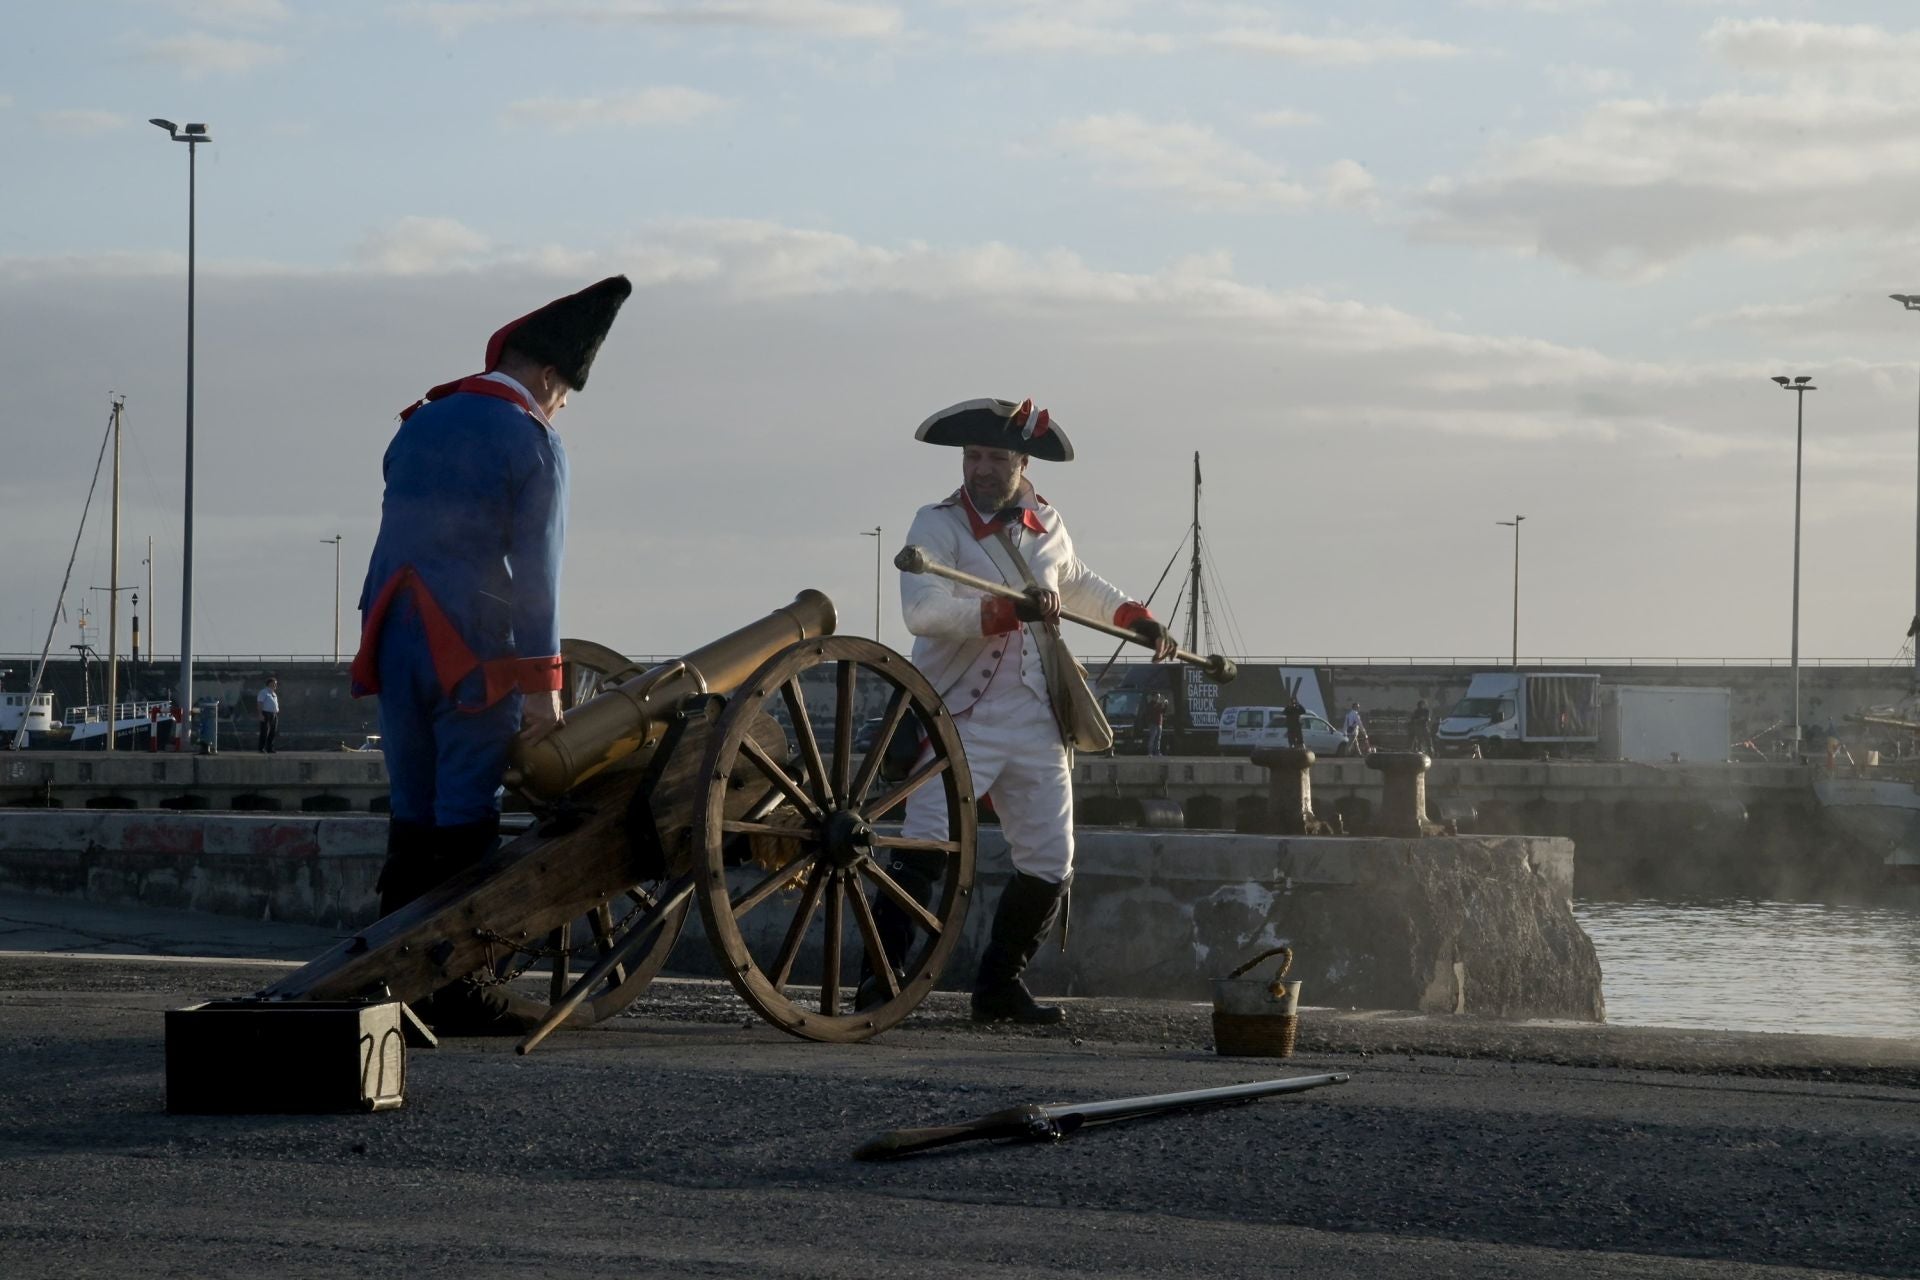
(1193, 585)
(113, 591)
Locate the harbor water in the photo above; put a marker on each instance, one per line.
(1759, 966)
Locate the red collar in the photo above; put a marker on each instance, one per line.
(474, 384)
(983, 526)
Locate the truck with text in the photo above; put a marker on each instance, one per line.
(1191, 703)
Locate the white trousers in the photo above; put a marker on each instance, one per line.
(1014, 751)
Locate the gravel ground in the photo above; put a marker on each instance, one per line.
(688, 1138)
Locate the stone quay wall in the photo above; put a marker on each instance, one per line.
(1479, 925)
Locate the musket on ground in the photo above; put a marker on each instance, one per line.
(914, 559)
(1033, 1123)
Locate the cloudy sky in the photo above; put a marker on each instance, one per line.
(1396, 274)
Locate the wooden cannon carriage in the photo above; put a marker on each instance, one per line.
(706, 779)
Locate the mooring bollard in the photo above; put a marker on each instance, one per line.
(1289, 789)
(1403, 792)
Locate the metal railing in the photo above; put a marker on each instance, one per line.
(123, 712)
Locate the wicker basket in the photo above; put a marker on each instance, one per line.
(1256, 1019)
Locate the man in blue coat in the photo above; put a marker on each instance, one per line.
(460, 628)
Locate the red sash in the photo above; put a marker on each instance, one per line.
(453, 659)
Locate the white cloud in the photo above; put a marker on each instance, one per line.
(415, 245)
(823, 17)
(1348, 185)
(1360, 49)
(1589, 81)
(79, 122)
(656, 105)
(198, 53)
(1195, 165)
(1536, 6)
(1285, 118)
(1769, 44)
(1638, 184)
(1186, 160)
(1052, 33)
(234, 13)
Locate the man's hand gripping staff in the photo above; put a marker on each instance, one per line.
(1045, 606)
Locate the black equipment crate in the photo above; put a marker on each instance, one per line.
(241, 1057)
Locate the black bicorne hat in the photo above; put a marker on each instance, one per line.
(567, 332)
(999, 424)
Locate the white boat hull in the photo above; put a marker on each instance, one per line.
(1881, 813)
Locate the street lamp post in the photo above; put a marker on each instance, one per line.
(1911, 301)
(1514, 524)
(874, 533)
(193, 135)
(1800, 386)
(335, 540)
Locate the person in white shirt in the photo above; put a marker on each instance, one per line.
(1355, 730)
(269, 700)
(979, 653)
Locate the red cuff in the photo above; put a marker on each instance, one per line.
(997, 616)
(539, 675)
(1129, 613)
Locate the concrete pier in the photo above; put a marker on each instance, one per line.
(1446, 925)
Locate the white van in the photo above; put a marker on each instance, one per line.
(1244, 730)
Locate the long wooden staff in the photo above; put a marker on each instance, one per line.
(916, 560)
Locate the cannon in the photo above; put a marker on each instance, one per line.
(708, 779)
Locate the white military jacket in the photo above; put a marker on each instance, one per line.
(951, 646)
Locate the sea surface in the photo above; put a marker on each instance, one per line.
(1759, 966)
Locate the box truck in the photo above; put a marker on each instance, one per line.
(1510, 713)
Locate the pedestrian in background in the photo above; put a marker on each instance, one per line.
(1356, 730)
(1296, 721)
(1156, 723)
(269, 700)
(1420, 728)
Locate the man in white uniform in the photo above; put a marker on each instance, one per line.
(980, 654)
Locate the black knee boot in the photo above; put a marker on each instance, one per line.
(895, 927)
(473, 1005)
(1028, 908)
(412, 862)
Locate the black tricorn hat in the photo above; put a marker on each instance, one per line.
(999, 424)
(566, 333)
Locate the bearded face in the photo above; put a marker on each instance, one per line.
(992, 476)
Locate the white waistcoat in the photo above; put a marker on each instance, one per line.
(944, 616)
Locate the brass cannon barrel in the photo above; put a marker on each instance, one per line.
(625, 718)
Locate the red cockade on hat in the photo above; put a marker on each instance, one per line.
(1029, 423)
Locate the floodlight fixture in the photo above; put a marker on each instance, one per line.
(168, 125)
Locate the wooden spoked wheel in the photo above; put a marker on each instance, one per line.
(587, 668)
(794, 894)
(570, 951)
